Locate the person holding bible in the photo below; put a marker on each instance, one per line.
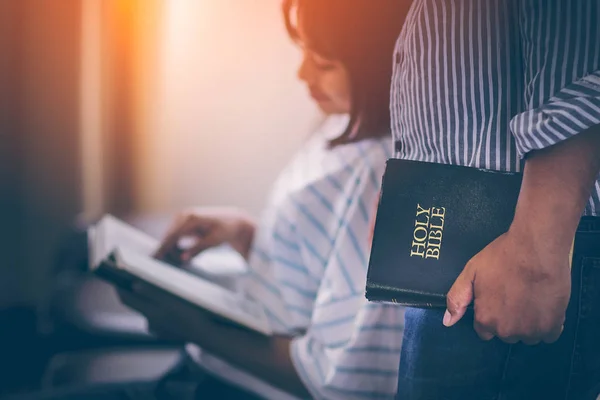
(308, 254)
(509, 85)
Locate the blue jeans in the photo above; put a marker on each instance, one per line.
(441, 363)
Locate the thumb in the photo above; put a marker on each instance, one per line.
(459, 297)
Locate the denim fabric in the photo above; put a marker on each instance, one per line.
(454, 364)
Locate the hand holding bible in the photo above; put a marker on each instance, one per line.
(520, 290)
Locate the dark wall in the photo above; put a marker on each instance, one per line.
(39, 155)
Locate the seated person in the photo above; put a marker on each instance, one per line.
(308, 255)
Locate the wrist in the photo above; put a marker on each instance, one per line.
(551, 222)
(244, 235)
(550, 241)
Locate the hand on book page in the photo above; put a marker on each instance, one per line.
(194, 291)
(205, 228)
(519, 288)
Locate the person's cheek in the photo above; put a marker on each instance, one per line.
(342, 96)
(345, 94)
(331, 89)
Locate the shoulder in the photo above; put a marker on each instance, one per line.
(347, 174)
(366, 156)
(347, 162)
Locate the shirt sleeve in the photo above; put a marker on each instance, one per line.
(561, 53)
(351, 349)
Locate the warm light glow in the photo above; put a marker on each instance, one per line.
(229, 109)
(91, 121)
(205, 92)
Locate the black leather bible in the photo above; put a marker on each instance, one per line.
(431, 220)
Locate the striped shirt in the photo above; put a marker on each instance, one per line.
(482, 83)
(308, 266)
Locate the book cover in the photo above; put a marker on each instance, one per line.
(431, 220)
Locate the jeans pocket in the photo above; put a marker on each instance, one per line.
(589, 298)
(585, 371)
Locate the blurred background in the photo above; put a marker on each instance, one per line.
(132, 107)
(142, 106)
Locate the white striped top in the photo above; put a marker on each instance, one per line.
(482, 83)
(309, 265)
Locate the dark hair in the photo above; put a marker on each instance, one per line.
(361, 35)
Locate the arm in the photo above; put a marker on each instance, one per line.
(268, 358)
(559, 135)
(557, 183)
(351, 350)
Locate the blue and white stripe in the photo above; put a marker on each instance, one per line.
(309, 263)
(483, 83)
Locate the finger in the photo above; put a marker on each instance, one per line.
(554, 335)
(504, 335)
(510, 339)
(169, 243)
(459, 297)
(188, 225)
(173, 257)
(178, 221)
(483, 332)
(201, 244)
(168, 246)
(532, 338)
(531, 341)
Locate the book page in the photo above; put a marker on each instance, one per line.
(93, 258)
(194, 289)
(118, 233)
(220, 260)
(111, 232)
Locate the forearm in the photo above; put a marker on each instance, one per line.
(267, 358)
(557, 183)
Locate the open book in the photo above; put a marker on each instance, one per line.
(121, 254)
